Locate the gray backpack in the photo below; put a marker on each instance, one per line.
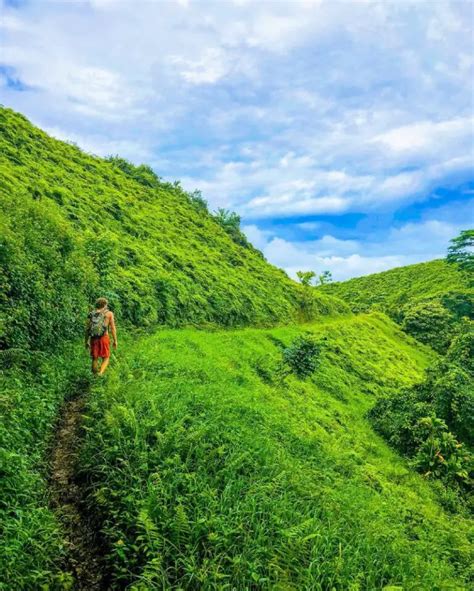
(97, 326)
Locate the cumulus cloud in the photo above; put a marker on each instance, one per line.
(409, 243)
(278, 110)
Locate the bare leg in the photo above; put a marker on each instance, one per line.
(95, 366)
(104, 365)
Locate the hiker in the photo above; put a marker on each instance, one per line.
(97, 335)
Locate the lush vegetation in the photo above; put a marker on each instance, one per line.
(432, 422)
(428, 299)
(73, 226)
(236, 458)
(212, 465)
(32, 389)
(461, 251)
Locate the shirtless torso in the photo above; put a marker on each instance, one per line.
(100, 346)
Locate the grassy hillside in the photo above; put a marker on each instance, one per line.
(429, 299)
(32, 389)
(208, 463)
(393, 289)
(210, 467)
(74, 226)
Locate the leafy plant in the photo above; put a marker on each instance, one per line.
(439, 454)
(430, 323)
(303, 356)
(306, 277)
(461, 251)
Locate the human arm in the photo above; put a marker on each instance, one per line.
(113, 329)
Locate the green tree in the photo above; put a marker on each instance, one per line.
(306, 277)
(198, 201)
(461, 251)
(325, 277)
(229, 220)
(431, 323)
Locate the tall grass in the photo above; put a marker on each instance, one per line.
(32, 388)
(209, 470)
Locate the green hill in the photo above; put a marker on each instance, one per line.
(230, 446)
(393, 289)
(211, 468)
(428, 299)
(74, 225)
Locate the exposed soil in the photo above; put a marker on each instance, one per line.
(84, 558)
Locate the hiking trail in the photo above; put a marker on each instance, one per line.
(84, 556)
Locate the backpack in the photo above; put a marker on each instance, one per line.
(97, 327)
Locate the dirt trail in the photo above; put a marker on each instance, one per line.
(84, 559)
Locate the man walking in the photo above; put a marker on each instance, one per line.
(99, 321)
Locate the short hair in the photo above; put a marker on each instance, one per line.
(101, 302)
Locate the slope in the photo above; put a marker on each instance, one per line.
(74, 225)
(429, 299)
(393, 289)
(210, 467)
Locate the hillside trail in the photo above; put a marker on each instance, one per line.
(84, 557)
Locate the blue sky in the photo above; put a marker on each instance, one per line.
(341, 132)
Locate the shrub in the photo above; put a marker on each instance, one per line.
(432, 421)
(439, 454)
(431, 323)
(302, 357)
(461, 251)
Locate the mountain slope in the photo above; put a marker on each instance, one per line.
(211, 470)
(429, 300)
(74, 226)
(393, 289)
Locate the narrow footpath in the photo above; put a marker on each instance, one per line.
(84, 559)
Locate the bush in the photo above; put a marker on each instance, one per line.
(431, 323)
(303, 356)
(432, 421)
(439, 454)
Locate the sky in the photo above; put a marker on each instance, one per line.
(341, 132)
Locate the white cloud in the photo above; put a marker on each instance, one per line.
(274, 109)
(427, 136)
(258, 237)
(208, 69)
(404, 245)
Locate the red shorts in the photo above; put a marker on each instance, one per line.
(100, 347)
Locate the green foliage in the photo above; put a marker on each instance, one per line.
(438, 453)
(325, 277)
(431, 323)
(74, 226)
(143, 173)
(230, 222)
(198, 201)
(203, 469)
(206, 473)
(433, 422)
(303, 355)
(32, 387)
(431, 297)
(461, 251)
(306, 277)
